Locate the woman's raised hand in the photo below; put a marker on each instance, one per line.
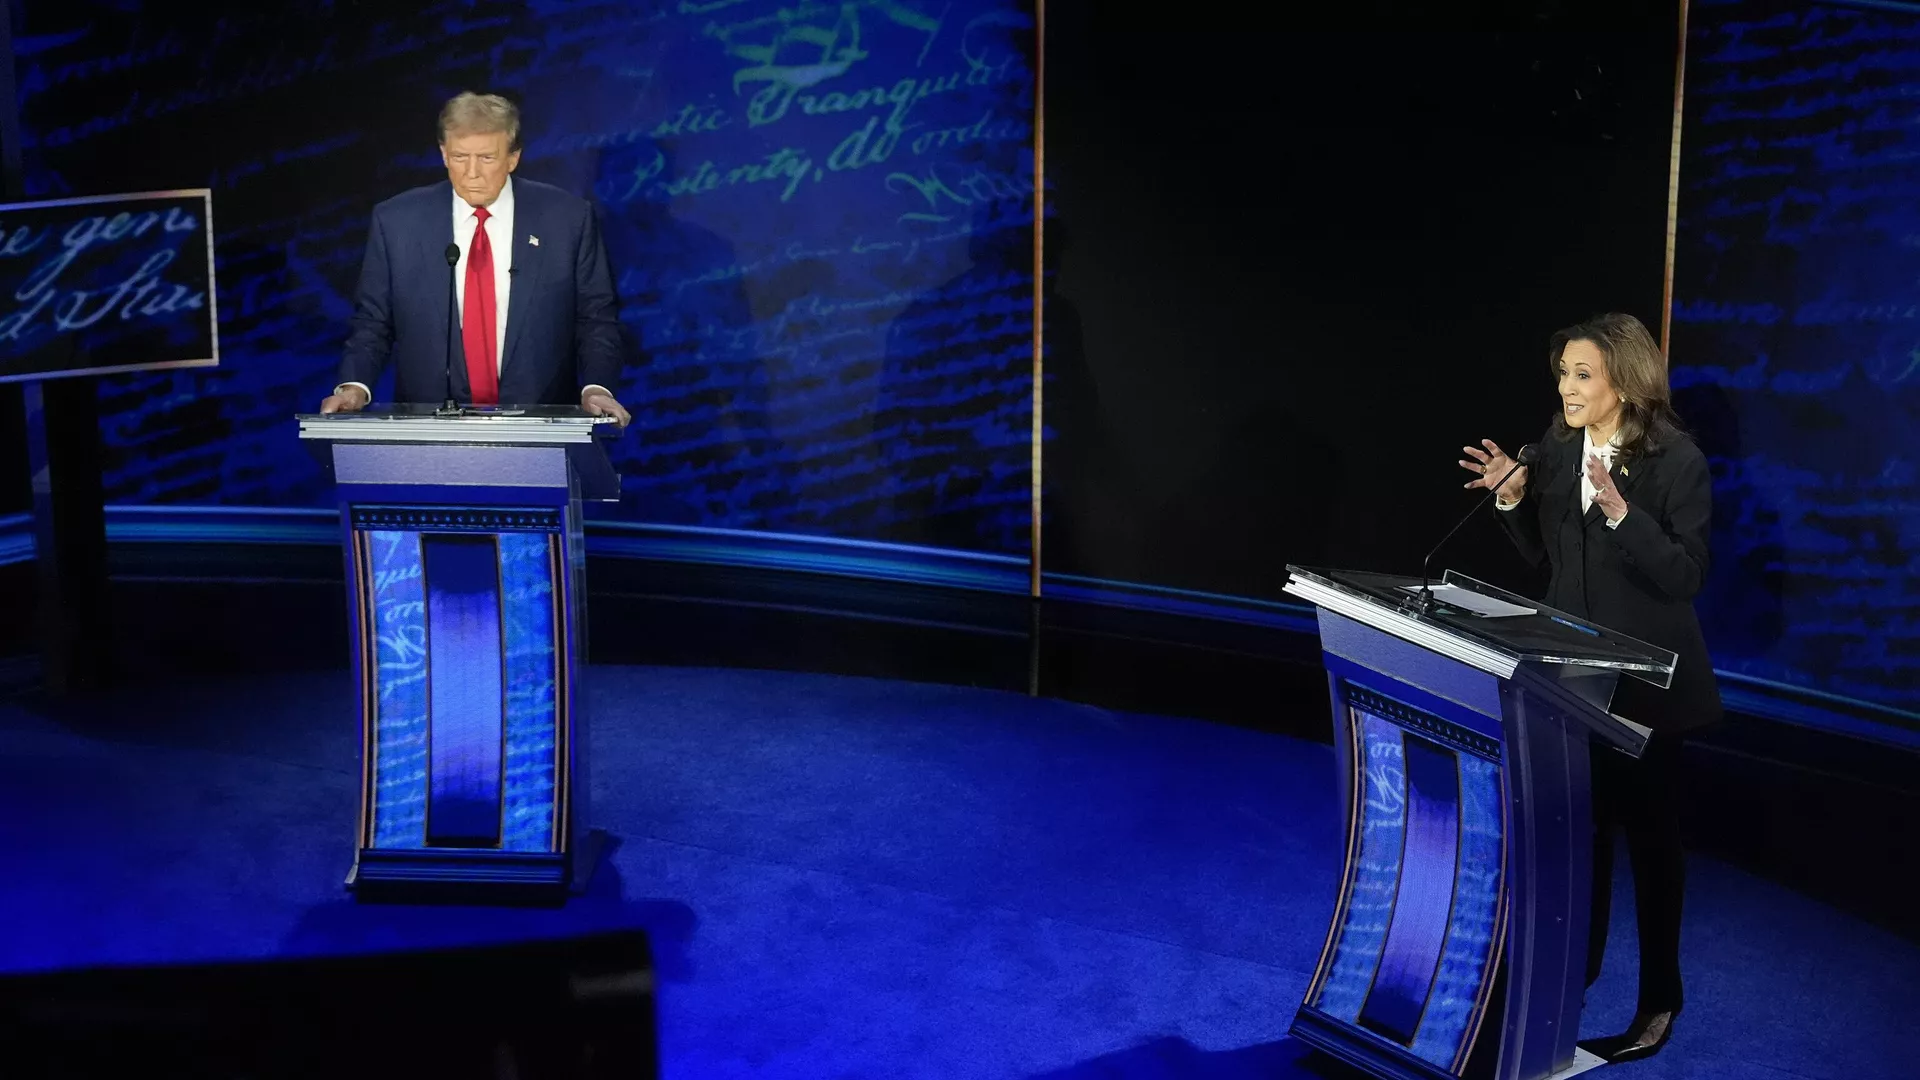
(1489, 465)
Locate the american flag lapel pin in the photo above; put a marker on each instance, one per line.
(533, 240)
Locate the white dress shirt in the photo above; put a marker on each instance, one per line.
(500, 238)
(1587, 490)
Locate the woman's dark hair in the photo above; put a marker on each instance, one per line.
(1637, 369)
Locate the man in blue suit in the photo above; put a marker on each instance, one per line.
(534, 317)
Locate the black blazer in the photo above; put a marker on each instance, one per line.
(1639, 579)
(563, 330)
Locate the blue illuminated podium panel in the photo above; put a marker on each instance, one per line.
(464, 555)
(1457, 944)
(462, 611)
(1413, 947)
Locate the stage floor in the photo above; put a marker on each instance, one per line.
(847, 877)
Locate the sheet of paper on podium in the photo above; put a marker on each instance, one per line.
(1478, 603)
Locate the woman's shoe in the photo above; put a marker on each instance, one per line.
(1649, 1033)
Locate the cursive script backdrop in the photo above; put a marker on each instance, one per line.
(819, 215)
(105, 283)
(1796, 337)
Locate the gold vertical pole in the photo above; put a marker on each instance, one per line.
(1673, 186)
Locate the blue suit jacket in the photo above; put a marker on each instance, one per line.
(563, 331)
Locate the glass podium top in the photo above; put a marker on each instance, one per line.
(408, 411)
(434, 423)
(1490, 618)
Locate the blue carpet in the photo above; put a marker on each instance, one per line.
(856, 878)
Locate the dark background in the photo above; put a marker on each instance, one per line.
(14, 482)
(1308, 266)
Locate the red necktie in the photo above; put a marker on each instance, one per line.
(477, 321)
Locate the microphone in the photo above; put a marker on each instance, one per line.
(450, 407)
(1527, 456)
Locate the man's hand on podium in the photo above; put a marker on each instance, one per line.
(596, 401)
(347, 397)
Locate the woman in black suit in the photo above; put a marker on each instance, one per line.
(1617, 505)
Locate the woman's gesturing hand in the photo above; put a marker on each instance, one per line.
(1489, 465)
(1605, 495)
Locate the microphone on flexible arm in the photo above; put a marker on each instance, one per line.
(1527, 456)
(450, 407)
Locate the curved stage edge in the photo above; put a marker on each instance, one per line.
(959, 591)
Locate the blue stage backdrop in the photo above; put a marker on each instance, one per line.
(819, 216)
(1796, 337)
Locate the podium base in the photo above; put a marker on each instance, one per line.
(1582, 1062)
(475, 876)
(1380, 1059)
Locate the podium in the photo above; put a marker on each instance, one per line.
(464, 560)
(1463, 723)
